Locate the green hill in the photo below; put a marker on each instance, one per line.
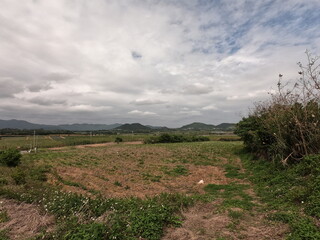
(135, 127)
(226, 126)
(198, 126)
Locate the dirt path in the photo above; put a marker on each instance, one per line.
(217, 220)
(97, 145)
(207, 221)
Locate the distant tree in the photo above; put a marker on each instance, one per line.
(118, 140)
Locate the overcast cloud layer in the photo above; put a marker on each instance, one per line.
(166, 62)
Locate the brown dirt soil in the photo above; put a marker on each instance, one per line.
(140, 172)
(25, 220)
(206, 222)
(97, 145)
(135, 184)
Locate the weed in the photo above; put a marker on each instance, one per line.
(19, 176)
(233, 172)
(3, 181)
(4, 235)
(235, 214)
(117, 183)
(87, 232)
(293, 188)
(3, 216)
(238, 203)
(177, 171)
(301, 227)
(152, 178)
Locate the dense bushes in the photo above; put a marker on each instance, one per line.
(287, 127)
(10, 157)
(174, 138)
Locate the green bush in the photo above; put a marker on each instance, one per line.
(118, 140)
(10, 157)
(286, 127)
(175, 138)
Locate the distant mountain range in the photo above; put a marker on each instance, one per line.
(21, 124)
(196, 126)
(202, 126)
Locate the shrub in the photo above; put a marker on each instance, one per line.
(118, 140)
(286, 127)
(10, 157)
(175, 138)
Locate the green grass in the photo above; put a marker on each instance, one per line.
(3, 216)
(25, 143)
(233, 172)
(235, 214)
(233, 195)
(4, 235)
(289, 191)
(176, 171)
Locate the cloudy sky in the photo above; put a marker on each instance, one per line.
(158, 62)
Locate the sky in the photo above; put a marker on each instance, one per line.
(156, 62)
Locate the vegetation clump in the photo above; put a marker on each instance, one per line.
(10, 157)
(175, 138)
(287, 127)
(118, 140)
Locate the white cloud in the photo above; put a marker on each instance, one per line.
(75, 57)
(148, 101)
(141, 113)
(209, 107)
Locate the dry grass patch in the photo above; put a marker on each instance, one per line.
(24, 220)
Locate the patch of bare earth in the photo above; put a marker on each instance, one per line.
(24, 220)
(206, 222)
(97, 145)
(124, 171)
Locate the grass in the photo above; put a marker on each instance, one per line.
(4, 235)
(126, 169)
(178, 170)
(233, 195)
(3, 216)
(288, 192)
(26, 142)
(119, 168)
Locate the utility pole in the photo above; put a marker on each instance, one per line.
(34, 141)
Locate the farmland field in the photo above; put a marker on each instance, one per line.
(126, 191)
(49, 141)
(27, 142)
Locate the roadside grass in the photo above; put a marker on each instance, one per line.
(291, 193)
